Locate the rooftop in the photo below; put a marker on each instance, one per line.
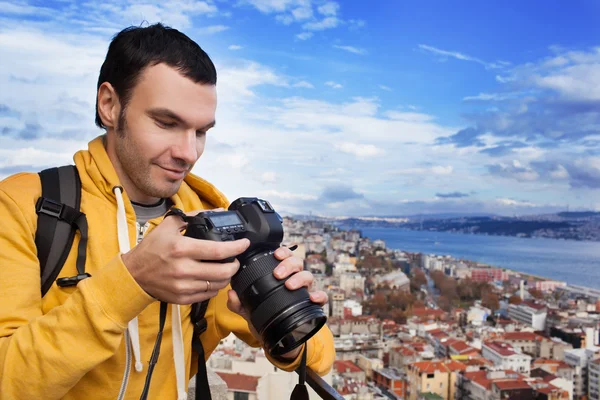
(240, 382)
(504, 349)
(511, 384)
(430, 367)
(521, 336)
(345, 366)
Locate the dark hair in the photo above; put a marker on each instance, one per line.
(135, 48)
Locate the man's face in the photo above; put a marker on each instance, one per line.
(161, 133)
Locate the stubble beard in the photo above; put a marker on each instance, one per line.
(134, 166)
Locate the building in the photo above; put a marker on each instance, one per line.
(488, 275)
(390, 380)
(240, 386)
(504, 356)
(524, 342)
(477, 385)
(579, 359)
(594, 380)
(514, 389)
(437, 377)
(529, 313)
(349, 283)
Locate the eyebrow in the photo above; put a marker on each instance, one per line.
(166, 113)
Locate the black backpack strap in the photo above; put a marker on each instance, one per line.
(58, 218)
(200, 325)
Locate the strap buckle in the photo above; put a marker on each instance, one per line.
(200, 326)
(73, 280)
(49, 207)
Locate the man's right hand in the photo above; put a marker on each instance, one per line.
(175, 268)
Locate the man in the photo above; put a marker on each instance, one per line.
(156, 99)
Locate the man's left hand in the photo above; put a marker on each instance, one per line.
(289, 265)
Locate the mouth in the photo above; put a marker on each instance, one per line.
(175, 174)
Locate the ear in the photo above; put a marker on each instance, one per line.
(109, 105)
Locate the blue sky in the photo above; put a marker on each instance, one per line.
(341, 108)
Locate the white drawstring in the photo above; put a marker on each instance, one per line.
(124, 247)
(178, 351)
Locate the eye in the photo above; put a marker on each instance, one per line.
(165, 125)
(200, 133)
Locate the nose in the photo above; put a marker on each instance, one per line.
(186, 149)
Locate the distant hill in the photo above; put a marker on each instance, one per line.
(578, 214)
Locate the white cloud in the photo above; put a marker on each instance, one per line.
(408, 116)
(233, 161)
(359, 150)
(463, 57)
(329, 9)
(285, 19)
(351, 49)
(303, 84)
(333, 85)
(433, 170)
(302, 13)
(235, 47)
(487, 97)
(386, 88)
(236, 82)
(271, 6)
(287, 195)
(211, 30)
(268, 177)
(304, 35)
(514, 203)
(326, 23)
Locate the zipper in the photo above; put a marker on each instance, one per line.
(141, 231)
(127, 366)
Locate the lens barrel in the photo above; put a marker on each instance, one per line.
(284, 318)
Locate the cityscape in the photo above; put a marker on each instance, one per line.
(415, 326)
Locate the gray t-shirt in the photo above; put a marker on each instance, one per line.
(146, 212)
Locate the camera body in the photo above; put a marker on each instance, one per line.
(247, 217)
(284, 318)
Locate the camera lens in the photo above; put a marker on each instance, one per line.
(284, 318)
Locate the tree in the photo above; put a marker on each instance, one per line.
(417, 280)
(536, 294)
(490, 300)
(514, 299)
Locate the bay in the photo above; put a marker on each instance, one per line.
(574, 262)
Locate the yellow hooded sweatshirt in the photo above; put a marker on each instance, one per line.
(71, 344)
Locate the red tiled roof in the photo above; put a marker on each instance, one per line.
(511, 384)
(240, 382)
(429, 367)
(504, 349)
(460, 346)
(521, 336)
(345, 366)
(479, 377)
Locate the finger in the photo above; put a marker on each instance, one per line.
(173, 222)
(319, 297)
(282, 253)
(304, 278)
(192, 287)
(234, 303)
(288, 267)
(203, 271)
(199, 249)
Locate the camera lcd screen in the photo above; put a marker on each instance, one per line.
(220, 220)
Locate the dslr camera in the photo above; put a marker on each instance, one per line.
(284, 318)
